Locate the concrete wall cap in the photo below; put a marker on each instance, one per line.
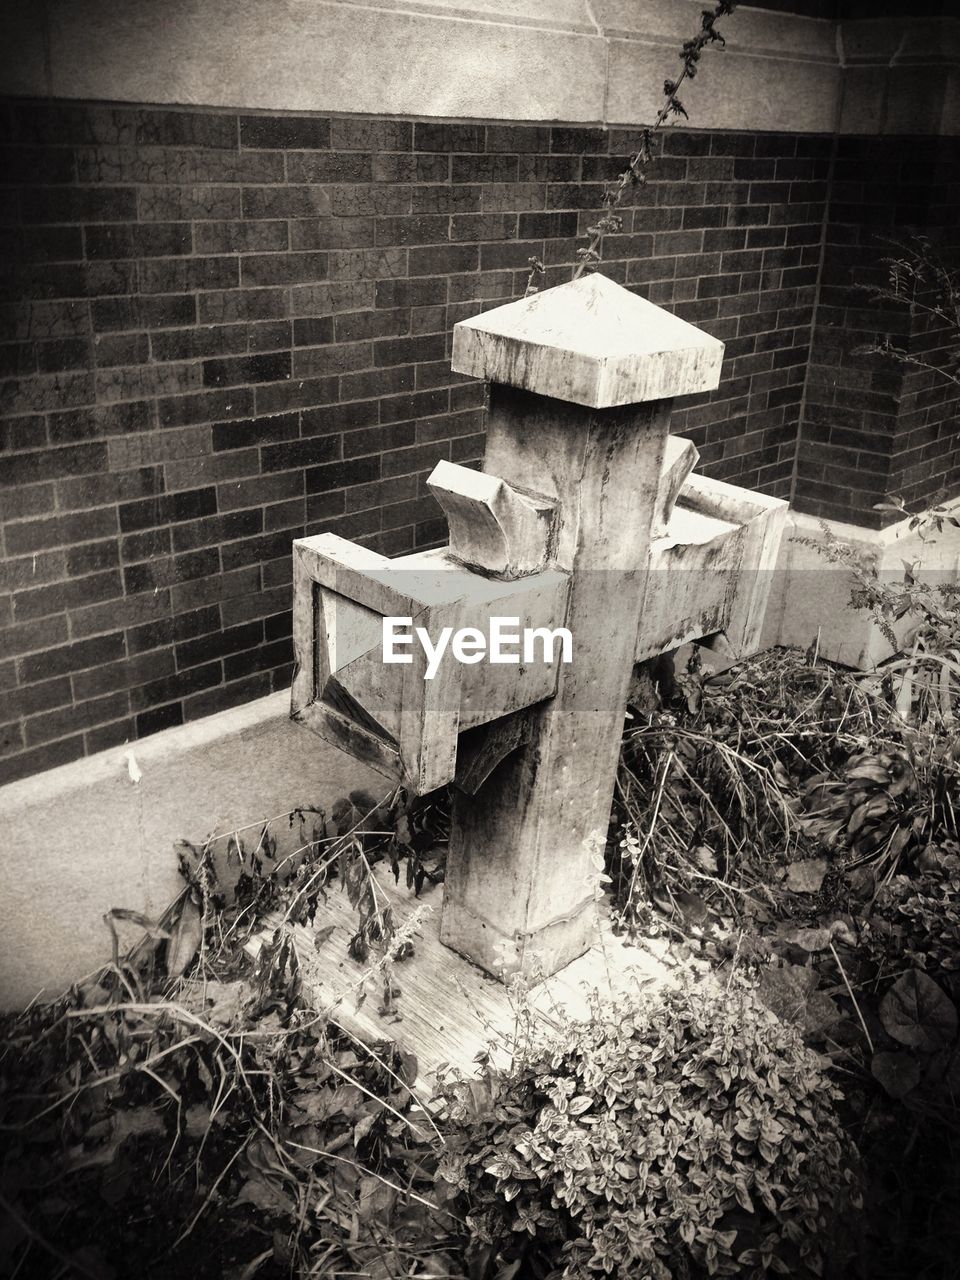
(113, 765)
(591, 342)
(891, 42)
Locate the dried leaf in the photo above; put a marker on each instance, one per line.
(134, 1122)
(820, 937)
(95, 995)
(150, 927)
(189, 858)
(806, 876)
(692, 906)
(363, 1127)
(376, 1200)
(196, 1120)
(186, 939)
(819, 1014)
(409, 1067)
(706, 860)
(227, 1001)
(265, 1195)
(323, 935)
(916, 1012)
(345, 1102)
(862, 882)
(359, 809)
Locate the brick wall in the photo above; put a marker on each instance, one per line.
(926, 458)
(870, 428)
(228, 331)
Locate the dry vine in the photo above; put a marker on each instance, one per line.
(634, 175)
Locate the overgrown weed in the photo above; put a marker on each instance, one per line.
(802, 820)
(189, 1111)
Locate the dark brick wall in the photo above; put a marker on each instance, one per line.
(926, 457)
(925, 461)
(229, 331)
(872, 428)
(755, 289)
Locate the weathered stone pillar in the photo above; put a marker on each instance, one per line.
(582, 382)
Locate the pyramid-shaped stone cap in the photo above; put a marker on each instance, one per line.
(591, 342)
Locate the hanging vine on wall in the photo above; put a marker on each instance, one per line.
(609, 221)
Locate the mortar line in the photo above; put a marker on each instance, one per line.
(831, 173)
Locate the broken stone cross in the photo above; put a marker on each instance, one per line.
(584, 517)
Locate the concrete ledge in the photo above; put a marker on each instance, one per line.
(810, 596)
(566, 60)
(589, 61)
(86, 837)
(738, 88)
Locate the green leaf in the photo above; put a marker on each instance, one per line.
(897, 1072)
(916, 1012)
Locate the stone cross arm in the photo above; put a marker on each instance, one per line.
(404, 716)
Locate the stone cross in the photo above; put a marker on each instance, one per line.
(584, 517)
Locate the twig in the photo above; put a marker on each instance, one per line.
(372, 1096)
(380, 1062)
(344, 837)
(355, 1164)
(658, 801)
(846, 983)
(263, 822)
(68, 1263)
(210, 1194)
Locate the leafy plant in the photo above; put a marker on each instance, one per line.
(919, 278)
(709, 800)
(917, 915)
(874, 807)
(683, 1132)
(801, 821)
(919, 619)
